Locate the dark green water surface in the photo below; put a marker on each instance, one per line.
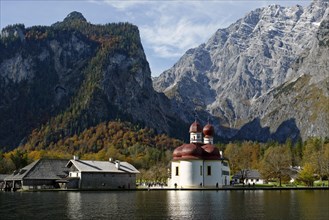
(290, 204)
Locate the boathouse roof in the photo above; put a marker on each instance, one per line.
(102, 166)
(41, 169)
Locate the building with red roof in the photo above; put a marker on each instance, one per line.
(199, 163)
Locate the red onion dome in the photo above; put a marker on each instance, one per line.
(188, 151)
(212, 152)
(208, 130)
(178, 152)
(192, 151)
(195, 127)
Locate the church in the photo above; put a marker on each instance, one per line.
(199, 164)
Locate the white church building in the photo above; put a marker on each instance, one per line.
(199, 164)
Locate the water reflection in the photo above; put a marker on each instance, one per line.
(151, 205)
(158, 205)
(181, 204)
(248, 204)
(313, 204)
(74, 205)
(198, 204)
(101, 205)
(245, 205)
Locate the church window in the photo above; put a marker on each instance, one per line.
(225, 173)
(209, 170)
(177, 171)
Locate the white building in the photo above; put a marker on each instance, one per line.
(248, 177)
(199, 163)
(102, 174)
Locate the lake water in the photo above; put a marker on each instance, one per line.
(258, 204)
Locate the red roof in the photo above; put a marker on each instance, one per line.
(196, 151)
(195, 127)
(188, 151)
(211, 152)
(209, 130)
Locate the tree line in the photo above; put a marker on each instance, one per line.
(143, 147)
(151, 153)
(278, 162)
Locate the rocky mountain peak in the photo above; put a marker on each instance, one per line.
(75, 16)
(13, 31)
(243, 63)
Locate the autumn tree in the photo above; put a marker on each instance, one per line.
(326, 159)
(297, 153)
(315, 153)
(158, 173)
(6, 164)
(276, 163)
(19, 158)
(306, 175)
(243, 157)
(232, 153)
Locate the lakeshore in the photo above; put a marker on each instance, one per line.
(159, 188)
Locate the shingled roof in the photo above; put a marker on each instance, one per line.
(102, 166)
(3, 176)
(41, 169)
(20, 174)
(250, 174)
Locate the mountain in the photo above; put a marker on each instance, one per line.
(58, 80)
(251, 76)
(305, 97)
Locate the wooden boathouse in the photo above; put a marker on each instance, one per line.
(41, 174)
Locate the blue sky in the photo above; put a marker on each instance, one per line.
(168, 28)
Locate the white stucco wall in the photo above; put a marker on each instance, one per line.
(189, 175)
(225, 177)
(215, 176)
(195, 137)
(74, 174)
(254, 181)
(174, 178)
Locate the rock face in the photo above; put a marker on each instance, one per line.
(235, 75)
(305, 98)
(62, 79)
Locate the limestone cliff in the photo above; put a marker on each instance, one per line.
(233, 76)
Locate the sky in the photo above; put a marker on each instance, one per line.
(167, 28)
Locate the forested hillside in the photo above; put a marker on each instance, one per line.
(152, 153)
(64, 78)
(118, 140)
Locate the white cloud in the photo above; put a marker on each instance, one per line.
(179, 26)
(169, 28)
(172, 40)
